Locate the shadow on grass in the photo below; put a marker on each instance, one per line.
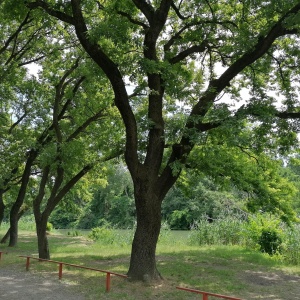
(228, 270)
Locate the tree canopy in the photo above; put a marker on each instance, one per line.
(182, 74)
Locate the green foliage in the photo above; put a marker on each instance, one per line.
(49, 227)
(260, 232)
(291, 245)
(103, 234)
(195, 196)
(197, 53)
(256, 174)
(108, 236)
(112, 203)
(226, 231)
(64, 218)
(180, 219)
(27, 222)
(264, 232)
(270, 242)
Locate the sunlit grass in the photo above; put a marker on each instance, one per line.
(217, 269)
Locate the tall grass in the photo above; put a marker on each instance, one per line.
(227, 231)
(216, 268)
(291, 245)
(235, 231)
(26, 223)
(230, 230)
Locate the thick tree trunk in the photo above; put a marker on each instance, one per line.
(143, 262)
(41, 231)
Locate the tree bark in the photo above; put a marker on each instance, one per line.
(143, 262)
(7, 235)
(13, 231)
(2, 207)
(20, 198)
(41, 231)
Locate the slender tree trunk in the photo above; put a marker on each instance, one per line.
(20, 199)
(2, 207)
(143, 262)
(7, 235)
(13, 230)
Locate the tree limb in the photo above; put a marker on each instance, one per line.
(133, 21)
(47, 8)
(187, 52)
(177, 11)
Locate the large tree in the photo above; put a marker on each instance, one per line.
(79, 141)
(181, 57)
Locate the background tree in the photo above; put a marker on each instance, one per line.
(112, 203)
(80, 142)
(181, 57)
(21, 36)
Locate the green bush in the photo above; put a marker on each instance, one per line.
(103, 234)
(180, 219)
(107, 235)
(49, 227)
(270, 242)
(264, 232)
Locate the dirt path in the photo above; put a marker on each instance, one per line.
(16, 284)
(22, 285)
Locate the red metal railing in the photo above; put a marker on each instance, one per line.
(60, 269)
(108, 275)
(206, 294)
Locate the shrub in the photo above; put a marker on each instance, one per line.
(264, 232)
(180, 219)
(270, 241)
(49, 227)
(102, 234)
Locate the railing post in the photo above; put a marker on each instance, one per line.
(0, 255)
(107, 282)
(60, 266)
(27, 263)
(205, 296)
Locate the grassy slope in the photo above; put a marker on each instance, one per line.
(225, 270)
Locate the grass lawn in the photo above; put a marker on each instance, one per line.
(228, 270)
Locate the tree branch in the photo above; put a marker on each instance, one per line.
(133, 21)
(16, 33)
(145, 8)
(52, 12)
(181, 152)
(82, 127)
(177, 11)
(194, 49)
